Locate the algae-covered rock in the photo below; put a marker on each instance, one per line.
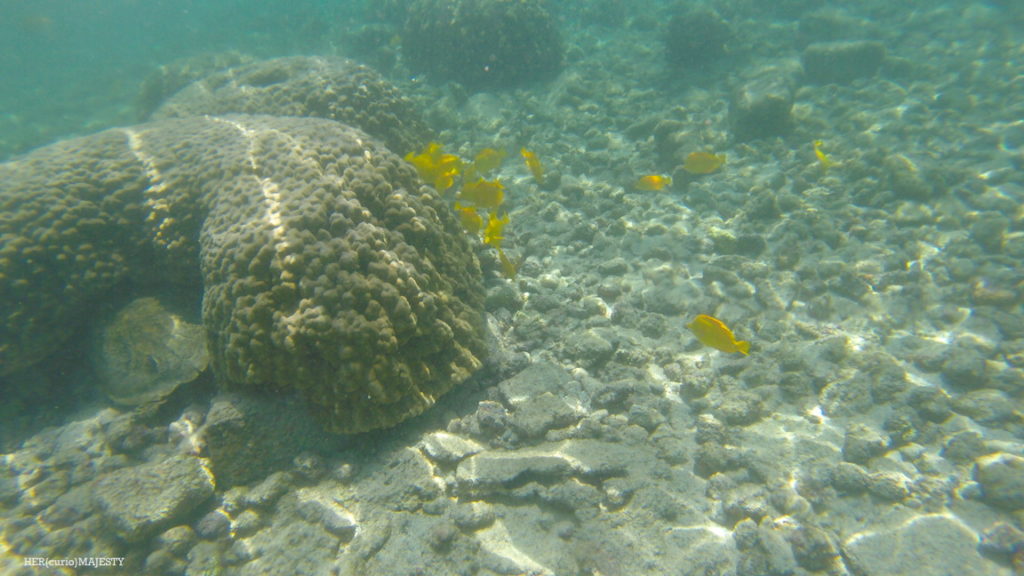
(761, 108)
(141, 500)
(482, 43)
(1001, 476)
(248, 437)
(146, 352)
(863, 443)
(927, 544)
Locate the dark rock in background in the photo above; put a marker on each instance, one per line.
(482, 44)
(842, 62)
(695, 40)
(761, 108)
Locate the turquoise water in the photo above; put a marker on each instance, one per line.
(75, 67)
(749, 301)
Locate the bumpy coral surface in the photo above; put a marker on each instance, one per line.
(169, 78)
(482, 43)
(336, 89)
(326, 268)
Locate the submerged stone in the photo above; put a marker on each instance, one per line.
(930, 544)
(146, 352)
(140, 501)
(761, 108)
(1001, 476)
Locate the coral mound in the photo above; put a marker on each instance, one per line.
(326, 267)
(482, 44)
(332, 88)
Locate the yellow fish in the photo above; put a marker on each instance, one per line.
(508, 267)
(487, 194)
(495, 228)
(712, 332)
(470, 219)
(487, 159)
(703, 162)
(823, 158)
(533, 163)
(653, 182)
(436, 167)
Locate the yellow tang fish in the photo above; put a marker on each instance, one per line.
(653, 182)
(470, 219)
(823, 158)
(487, 159)
(703, 162)
(712, 332)
(487, 194)
(533, 163)
(435, 166)
(493, 233)
(508, 267)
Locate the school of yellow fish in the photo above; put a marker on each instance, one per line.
(479, 199)
(479, 205)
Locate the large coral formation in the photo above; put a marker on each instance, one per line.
(326, 267)
(482, 44)
(336, 89)
(72, 226)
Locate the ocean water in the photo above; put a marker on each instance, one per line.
(724, 287)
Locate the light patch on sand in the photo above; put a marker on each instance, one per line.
(669, 388)
(855, 342)
(918, 379)
(437, 480)
(496, 540)
(817, 413)
(713, 530)
(908, 523)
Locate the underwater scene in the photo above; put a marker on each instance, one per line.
(511, 287)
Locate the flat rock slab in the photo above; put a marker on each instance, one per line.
(448, 448)
(532, 382)
(931, 544)
(140, 501)
(547, 464)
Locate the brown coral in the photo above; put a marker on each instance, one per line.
(326, 268)
(332, 88)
